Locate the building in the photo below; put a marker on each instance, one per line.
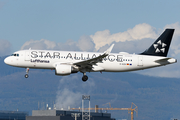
(65, 115)
(13, 115)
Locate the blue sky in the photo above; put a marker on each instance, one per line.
(60, 21)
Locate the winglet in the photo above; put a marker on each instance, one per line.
(109, 50)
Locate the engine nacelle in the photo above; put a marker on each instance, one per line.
(64, 70)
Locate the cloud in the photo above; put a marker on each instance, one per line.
(175, 46)
(39, 44)
(129, 46)
(100, 40)
(5, 47)
(50, 45)
(84, 44)
(70, 91)
(140, 31)
(169, 71)
(66, 98)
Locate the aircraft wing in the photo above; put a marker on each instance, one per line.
(88, 63)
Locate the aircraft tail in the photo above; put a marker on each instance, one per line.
(161, 46)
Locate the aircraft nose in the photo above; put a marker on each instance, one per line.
(7, 60)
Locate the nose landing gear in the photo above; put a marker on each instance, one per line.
(85, 77)
(27, 71)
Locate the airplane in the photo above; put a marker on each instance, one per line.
(68, 62)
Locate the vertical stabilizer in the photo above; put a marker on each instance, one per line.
(161, 46)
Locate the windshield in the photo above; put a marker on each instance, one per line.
(15, 55)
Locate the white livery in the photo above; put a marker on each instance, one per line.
(68, 62)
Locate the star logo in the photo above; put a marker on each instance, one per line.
(160, 47)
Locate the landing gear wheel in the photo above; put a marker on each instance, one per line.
(26, 76)
(84, 78)
(27, 71)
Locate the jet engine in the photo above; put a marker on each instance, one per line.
(65, 70)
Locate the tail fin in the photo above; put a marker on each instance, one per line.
(161, 46)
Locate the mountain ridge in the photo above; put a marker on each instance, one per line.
(156, 97)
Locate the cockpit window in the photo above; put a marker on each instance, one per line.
(15, 55)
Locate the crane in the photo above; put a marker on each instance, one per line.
(130, 110)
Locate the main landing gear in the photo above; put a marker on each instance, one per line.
(85, 77)
(27, 71)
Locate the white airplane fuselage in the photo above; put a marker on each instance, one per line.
(67, 62)
(122, 62)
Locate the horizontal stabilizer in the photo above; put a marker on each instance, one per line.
(165, 60)
(162, 60)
